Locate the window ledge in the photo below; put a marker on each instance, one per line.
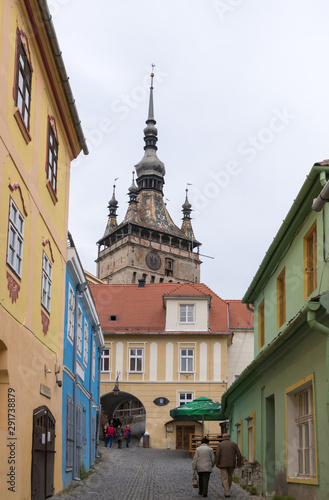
(187, 373)
(51, 192)
(21, 125)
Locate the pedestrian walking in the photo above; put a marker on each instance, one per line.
(127, 435)
(119, 436)
(109, 436)
(203, 462)
(228, 457)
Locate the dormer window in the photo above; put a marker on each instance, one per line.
(113, 317)
(186, 313)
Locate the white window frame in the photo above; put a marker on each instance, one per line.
(185, 357)
(134, 356)
(79, 331)
(106, 356)
(15, 239)
(301, 449)
(251, 437)
(93, 368)
(70, 314)
(47, 269)
(187, 313)
(185, 397)
(85, 342)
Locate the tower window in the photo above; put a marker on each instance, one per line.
(169, 265)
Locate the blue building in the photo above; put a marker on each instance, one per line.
(83, 345)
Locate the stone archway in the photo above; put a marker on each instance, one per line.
(127, 408)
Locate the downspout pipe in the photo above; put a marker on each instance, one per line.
(75, 382)
(315, 325)
(100, 349)
(80, 288)
(249, 308)
(91, 430)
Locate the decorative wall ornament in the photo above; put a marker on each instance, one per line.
(45, 322)
(47, 242)
(13, 287)
(14, 186)
(161, 401)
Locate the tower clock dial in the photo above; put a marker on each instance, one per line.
(153, 261)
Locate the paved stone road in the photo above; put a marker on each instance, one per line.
(136, 473)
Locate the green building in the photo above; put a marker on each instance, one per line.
(278, 407)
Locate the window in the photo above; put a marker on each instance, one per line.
(301, 458)
(69, 433)
(281, 298)
(135, 360)
(187, 360)
(46, 282)
(310, 261)
(86, 343)
(23, 83)
(169, 265)
(185, 397)
(70, 315)
(261, 325)
(251, 437)
(239, 435)
(52, 161)
(15, 239)
(105, 364)
(84, 425)
(79, 333)
(186, 313)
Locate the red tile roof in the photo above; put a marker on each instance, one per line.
(141, 309)
(240, 317)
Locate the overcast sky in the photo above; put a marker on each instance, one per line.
(241, 104)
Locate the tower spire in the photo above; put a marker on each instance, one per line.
(150, 170)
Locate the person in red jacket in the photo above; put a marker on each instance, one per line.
(127, 435)
(109, 436)
(228, 457)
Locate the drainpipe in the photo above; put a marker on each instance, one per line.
(249, 308)
(100, 349)
(314, 324)
(91, 451)
(81, 287)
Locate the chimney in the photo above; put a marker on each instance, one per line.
(141, 283)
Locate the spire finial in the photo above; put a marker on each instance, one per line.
(152, 75)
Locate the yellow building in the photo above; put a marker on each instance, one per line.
(39, 136)
(166, 344)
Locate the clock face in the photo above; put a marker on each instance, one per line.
(153, 261)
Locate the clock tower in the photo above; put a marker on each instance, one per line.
(147, 245)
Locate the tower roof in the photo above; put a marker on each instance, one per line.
(147, 208)
(150, 163)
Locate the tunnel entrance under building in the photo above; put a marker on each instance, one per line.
(125, 408)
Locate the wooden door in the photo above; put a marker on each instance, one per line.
(183, 436)
(43, 450)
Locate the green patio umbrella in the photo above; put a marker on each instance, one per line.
(198, 409)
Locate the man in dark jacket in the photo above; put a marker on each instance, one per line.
(228, 457)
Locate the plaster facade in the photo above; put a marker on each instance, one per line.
(33, 229)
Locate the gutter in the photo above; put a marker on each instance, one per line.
(48, 23)
(297, 213)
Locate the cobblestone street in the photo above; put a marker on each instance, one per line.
(146, 474)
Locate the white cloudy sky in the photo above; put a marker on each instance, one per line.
(241, 103)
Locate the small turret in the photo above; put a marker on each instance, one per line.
(187, 225)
